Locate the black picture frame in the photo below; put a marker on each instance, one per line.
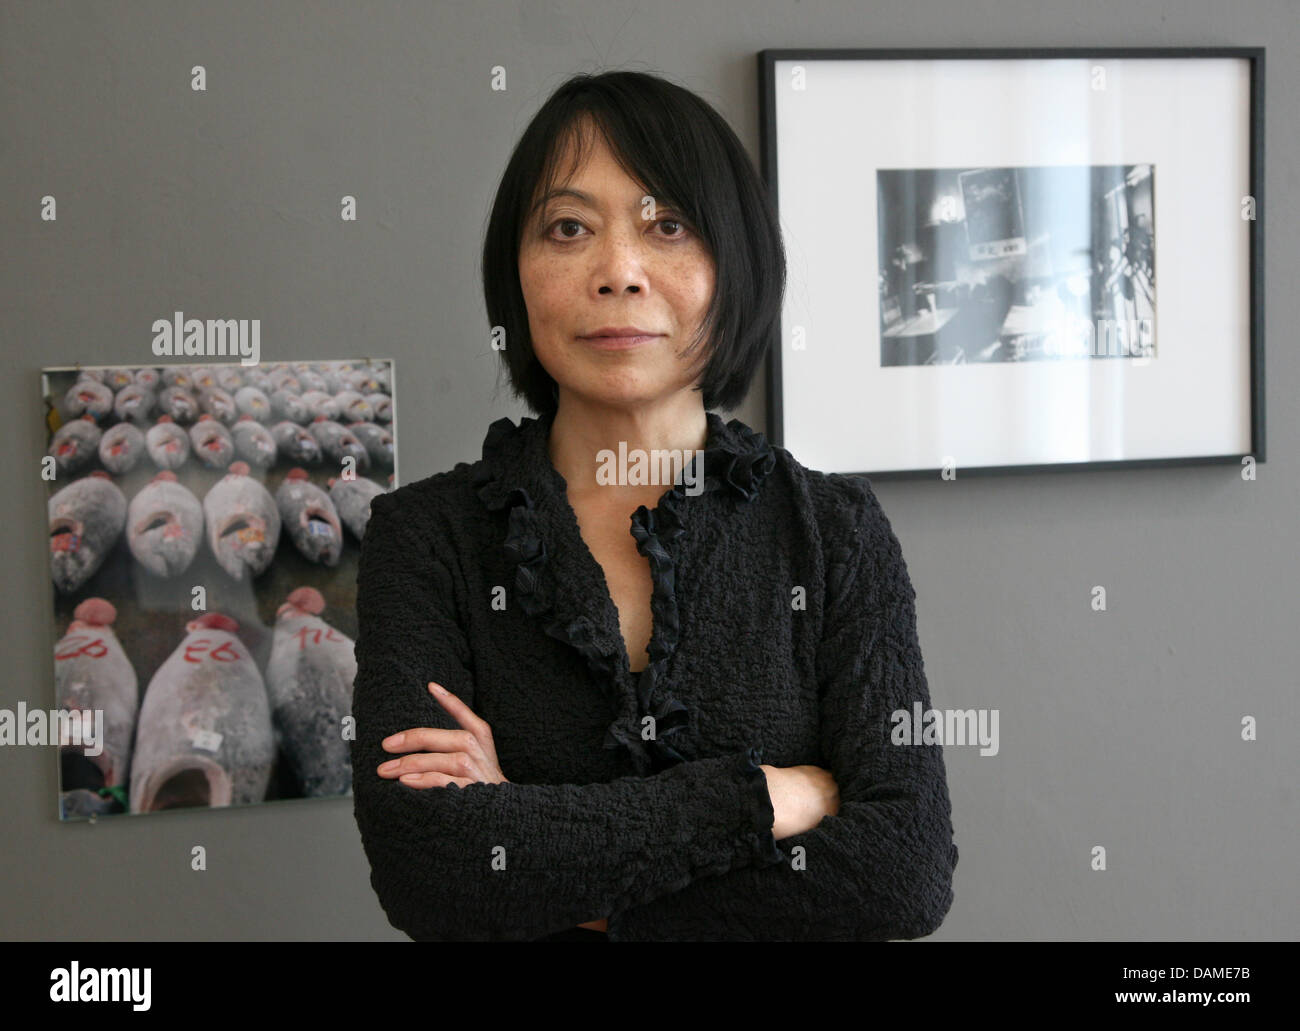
(1255, 56)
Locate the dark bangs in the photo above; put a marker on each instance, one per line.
(685, 155)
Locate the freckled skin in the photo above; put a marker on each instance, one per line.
(617, 269)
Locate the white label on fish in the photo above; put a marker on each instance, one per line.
(208, 740)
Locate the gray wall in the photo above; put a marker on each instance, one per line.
(1118, 729)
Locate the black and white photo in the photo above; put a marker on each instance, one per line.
(1016, 264)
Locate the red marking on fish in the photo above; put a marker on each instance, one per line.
(90, 645)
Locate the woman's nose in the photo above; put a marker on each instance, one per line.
(620, 263)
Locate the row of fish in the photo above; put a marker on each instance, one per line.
(165, 523)
(211, 721)
(296, 392)
(120, 448)
(331, 375)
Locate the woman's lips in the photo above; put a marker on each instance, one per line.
(619, 343)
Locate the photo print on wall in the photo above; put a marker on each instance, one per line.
(1016, 264)
(973, 237)
(205, 524)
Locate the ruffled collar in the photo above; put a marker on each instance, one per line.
(554, 570)
(517, 457)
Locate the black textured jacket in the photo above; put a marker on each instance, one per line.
(784, 632)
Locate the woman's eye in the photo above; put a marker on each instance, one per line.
(566, 222)
(676, 228)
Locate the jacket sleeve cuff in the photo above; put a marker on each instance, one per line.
(765, 850)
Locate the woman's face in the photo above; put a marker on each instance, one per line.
(597, 262)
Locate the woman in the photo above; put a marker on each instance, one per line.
(567, 729)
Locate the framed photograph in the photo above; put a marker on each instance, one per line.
(205, 523)
(1017, 260)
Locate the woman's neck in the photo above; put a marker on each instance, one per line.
(580, 432)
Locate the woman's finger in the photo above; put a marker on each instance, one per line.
(456, 764)
(460, 712)
(430, 739)
(433, 779)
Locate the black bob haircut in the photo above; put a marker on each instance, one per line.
(685, 155)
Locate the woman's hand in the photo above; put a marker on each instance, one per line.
(801, 797)
(440, 757)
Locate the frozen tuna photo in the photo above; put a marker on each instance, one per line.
(205, 521)
(309, 679)
(204, 736)
(86, 520)
(93, 675)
